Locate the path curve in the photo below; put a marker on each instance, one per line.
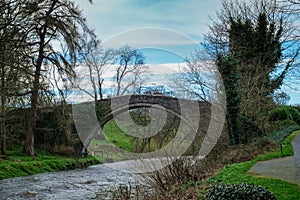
(286, 168)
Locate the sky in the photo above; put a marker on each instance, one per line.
(175, 25)
(112, 17)
(167, 31)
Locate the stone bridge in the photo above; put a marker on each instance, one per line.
(114, 106)
(90, 117)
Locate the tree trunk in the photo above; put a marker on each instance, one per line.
(3, 103)
(100, 82)
(3, 128)
(118, 88)
(29, 143)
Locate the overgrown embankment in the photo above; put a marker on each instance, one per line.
(16, 164)
(226, 167)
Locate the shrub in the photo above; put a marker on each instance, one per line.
(284, 113)
(124, 192)
(177, 173)
(279, 114)
(249, 129)
(294, 112)
(282, 124)
(239, 191)
(298, 107)
(129, 191)
(279, 135)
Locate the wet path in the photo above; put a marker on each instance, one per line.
(287, 168)
(91, 183)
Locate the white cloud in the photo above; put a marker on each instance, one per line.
(149, 37)
(115, 16)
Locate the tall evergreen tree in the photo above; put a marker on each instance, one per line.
(230, 75)
(258, 34)
(257, 48)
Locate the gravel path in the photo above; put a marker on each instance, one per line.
(286, 169)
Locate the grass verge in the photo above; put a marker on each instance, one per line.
(237, 173)
(19, 165)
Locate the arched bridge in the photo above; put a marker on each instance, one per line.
(118, 105)
(90, 117)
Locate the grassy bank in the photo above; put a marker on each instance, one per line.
(116, 136)
(237, 173)
(17, 164)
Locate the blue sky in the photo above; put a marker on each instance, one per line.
(115, 16)
(182, 24)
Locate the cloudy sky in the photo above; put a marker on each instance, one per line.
(171, 28)
(116, 16)
(166, 30)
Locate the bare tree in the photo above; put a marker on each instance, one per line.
(130, 68)
(49, 21)
(291, 9)
(289, 6)
(281, 98)
(96, 60)
(197, 78)
(13, 64)
(64, 84)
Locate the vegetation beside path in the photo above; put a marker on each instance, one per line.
(237, 173)
(17, 164)
(181, 183)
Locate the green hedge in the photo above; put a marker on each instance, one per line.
(284, 113)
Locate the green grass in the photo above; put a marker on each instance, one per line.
(104, 146)
(20, 165)
(237, 173)
(116, 136)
